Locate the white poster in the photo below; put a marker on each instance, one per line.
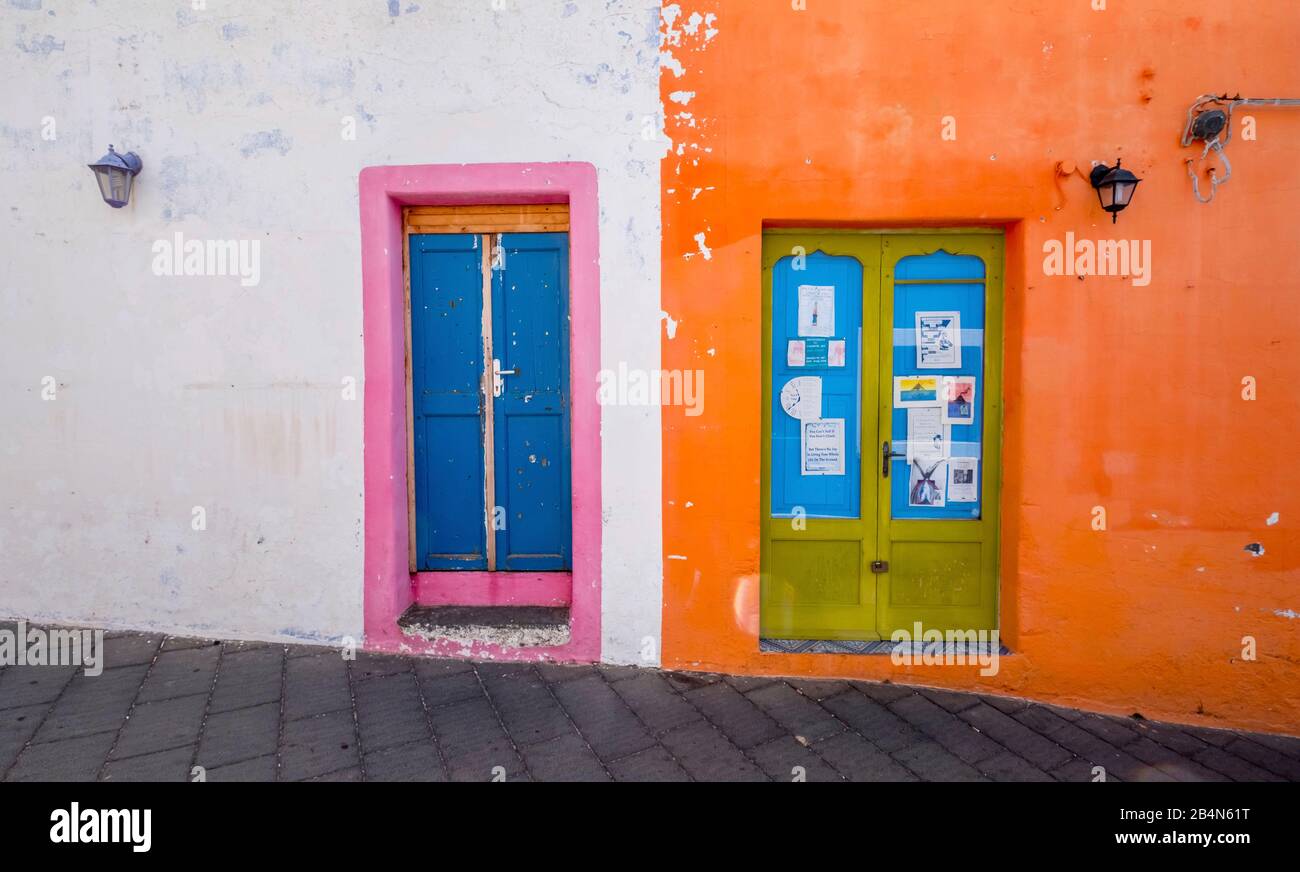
(927, 437)
(959, 399)
(802, 397)
(821, 447)
(835, 354)
(963, 480)
(794, 352)
(938, 340)
(816, 310)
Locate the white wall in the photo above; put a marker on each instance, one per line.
(176, 392)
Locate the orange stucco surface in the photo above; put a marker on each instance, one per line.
(1119, 396)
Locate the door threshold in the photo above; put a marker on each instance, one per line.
(505, 626)
(876, 646)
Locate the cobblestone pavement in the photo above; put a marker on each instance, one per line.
(254, 711)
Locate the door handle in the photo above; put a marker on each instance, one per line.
(886, 455)
(498, 383)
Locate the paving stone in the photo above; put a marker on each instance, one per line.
(1229, 764)
(945, 728)
(859, 760)
(315, 685)
(292, 651)
(472, 741)
(1008, 705)
(527, 709)
(1114, 731)
(180, 643)
(17, 726)
(371, 665)
(744, 723)
(160, 726)
(241, 646)
(318, 745)
(417, 761)
(1080, 771)
(390, 711)
(707, 755)
(1288, 745)
(446, 689)
(883, 692)
(781, 757)
(495, 669)
(684, 681)
(619, 673)
(817, 689)
(882, 727)
(172, 766)
(258, 769)
(953, 702)
(229, 737)
(248, 679)
(436, 667)
(1177, 740)
(1093, 749)
(93, 704)
(129, 649)
(933, 762)
(655, 702)
(70, 760)
(1265, 758)
(22, 686)
(1008, 767)
(181, 673)
(652, 764)
(349, 774)
(799, 715)
(1043, 753)
(1171, 762)
(1217, 738)
(564, 758)
(606, 722)
(746, 683)
(557, 672)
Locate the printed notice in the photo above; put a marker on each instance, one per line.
(822, 447)
(802, 397)
(958, 399)
(927, 438)
(963, 480)
(925, 487)
(794, 352)
(938, 340)
(816, 310)
(835, 353)
(916, 391)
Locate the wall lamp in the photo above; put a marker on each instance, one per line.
(115, 174)
(1115, 186)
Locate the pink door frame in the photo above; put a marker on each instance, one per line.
(390, 586)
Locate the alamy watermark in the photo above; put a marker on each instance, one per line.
(656, 387)
(934, 647)
(179, 256)
(53, 647)
(1130, 258)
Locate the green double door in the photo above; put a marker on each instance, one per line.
(881, 432)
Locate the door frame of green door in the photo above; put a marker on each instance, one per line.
(883, 249)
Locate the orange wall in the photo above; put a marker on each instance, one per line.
(1119, 396)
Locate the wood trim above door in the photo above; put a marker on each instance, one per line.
(524, 218)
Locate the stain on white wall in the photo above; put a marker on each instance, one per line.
(183, 453)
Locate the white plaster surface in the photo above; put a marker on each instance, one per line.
(177, 392)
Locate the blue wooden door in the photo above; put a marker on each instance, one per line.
(448, 403)
(530, 348)
(491, 406)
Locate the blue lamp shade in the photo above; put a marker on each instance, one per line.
(115, 173)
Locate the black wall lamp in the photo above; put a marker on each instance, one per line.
(1115, 186)
(115, 174)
